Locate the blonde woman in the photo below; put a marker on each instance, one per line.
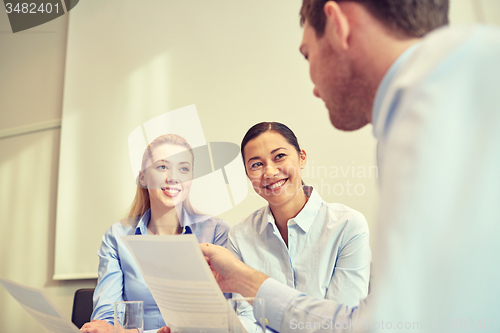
(161, 207)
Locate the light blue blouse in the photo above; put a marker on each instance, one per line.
(119, 276)
(328, 254)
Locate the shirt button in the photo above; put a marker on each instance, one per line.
(292, 234)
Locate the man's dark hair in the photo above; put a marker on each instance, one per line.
(408, 18)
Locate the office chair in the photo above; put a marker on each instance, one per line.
(82, 306)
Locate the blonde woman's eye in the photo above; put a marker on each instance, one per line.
(185, 169)
(161, 167)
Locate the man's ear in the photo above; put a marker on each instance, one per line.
(337, 27)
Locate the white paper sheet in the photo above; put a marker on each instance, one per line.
(181, 282)
(40, 307)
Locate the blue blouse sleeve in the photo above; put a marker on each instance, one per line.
(109, 287)
(220, 233)
(351, 277)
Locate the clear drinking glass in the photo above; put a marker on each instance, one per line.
(129, 317)
(246, 314)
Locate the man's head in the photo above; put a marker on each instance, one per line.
(351, 44)
(407, 18)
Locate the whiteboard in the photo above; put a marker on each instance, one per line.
(237, 61)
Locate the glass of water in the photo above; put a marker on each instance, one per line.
(129, 317)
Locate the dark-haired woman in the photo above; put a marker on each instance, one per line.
(318, 248)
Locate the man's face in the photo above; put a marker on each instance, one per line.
(336, 81)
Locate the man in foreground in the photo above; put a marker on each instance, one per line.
(434, 103)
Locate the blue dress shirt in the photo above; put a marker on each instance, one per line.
(328, 254)
(119, 276)
(435, 266)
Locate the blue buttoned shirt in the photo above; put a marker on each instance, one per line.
(328, 254)
(119, 276)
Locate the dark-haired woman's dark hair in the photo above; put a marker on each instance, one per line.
(264, 127)
(267, 126)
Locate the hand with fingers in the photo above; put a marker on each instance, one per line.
(231, 274)
(97, 326)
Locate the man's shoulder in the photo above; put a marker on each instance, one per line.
(452, 34)
(461, 40)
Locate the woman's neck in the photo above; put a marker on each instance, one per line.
(164, 221)
(283, 213)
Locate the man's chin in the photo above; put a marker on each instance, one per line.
(347, 124)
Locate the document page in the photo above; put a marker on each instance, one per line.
(181, 282)
(40, 307)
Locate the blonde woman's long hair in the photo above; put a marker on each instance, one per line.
(141, 202)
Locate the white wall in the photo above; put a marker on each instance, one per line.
(183, 53)
(31, 81)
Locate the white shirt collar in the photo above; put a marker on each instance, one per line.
(381, 117)
(304, 218)
(186, 220)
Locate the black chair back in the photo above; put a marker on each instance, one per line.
(82, 307)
